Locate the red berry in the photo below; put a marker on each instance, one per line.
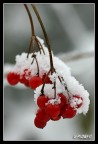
(35, 82)
(27, 84)
(47, 79)
(53, 110)
(23, 79)
(63, 100)
(68, 112)
(12, 78)
(56, 118)
(42, 115)
(42, 100)
(78, 97)
(39, 124)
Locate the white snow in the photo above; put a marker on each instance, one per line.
(54, 101)
(62, 70)
(53, 77)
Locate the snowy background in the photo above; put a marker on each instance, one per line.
(70, 28)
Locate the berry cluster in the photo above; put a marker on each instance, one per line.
(54, 95)
(55, 108)
(30, 81)
(57, 93)
(52, 111)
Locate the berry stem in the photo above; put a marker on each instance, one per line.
(32, 27)
(39, 45)
(60, 79)
(65, 86)
(32, 60)
(33, 37)
(54, 89)
(42, 90)
(30, 18)
(45, 35)
(37, 66)
(34, 57)
(29, 48)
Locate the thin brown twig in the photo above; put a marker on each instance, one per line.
(34, 57)
(40, 45)
(42, 90)
(30, 18)
(45, 35)
(54, 89)
(29, 48)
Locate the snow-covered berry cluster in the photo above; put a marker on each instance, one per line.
(57, 94)
(31, 69)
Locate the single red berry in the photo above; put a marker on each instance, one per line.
(35, 81)
(42, 100)
(56, 118)
(42, 115)
(47, 80)
(68, 112)
(23, 78)
(24, 81)
(39, 124)
(53, 110)
(79, 98)
(12, 78)
(63, 100)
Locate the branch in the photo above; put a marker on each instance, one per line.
(45, 35)
(30, 18)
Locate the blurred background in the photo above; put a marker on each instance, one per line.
(70, 28)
